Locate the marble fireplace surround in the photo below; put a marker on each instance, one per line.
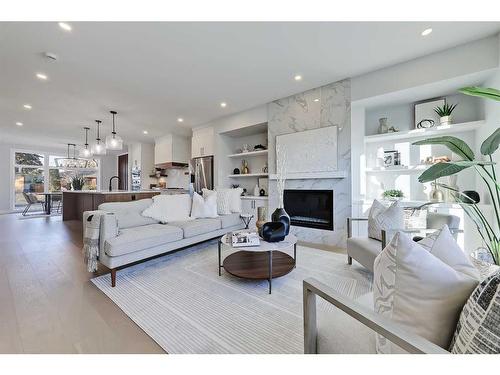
(329, 105)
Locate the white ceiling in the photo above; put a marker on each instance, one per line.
(152, 73)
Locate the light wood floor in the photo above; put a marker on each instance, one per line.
(47, 303)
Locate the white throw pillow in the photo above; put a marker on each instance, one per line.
(167, 208)
(422, 286)
(382, 218)
(204, 207)
(223, 200)
(236, 200)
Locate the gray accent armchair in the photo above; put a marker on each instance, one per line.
(365, 249)
(350, 320)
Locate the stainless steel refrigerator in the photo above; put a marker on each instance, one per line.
(203, 173)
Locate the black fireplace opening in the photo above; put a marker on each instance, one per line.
(309, 208)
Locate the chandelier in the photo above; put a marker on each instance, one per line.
(71, 162)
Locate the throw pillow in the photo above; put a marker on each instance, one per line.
(236, 200)
(204, 207)
(166, 208)
(478, 329)
(422, 288)
(223, 200)
(382, 218)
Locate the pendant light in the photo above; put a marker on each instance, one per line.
(98, 148)
(85, 152)
(114, 141)
(70, 161)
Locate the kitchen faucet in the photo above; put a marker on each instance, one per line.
(111, 179)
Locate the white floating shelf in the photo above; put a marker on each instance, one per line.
(312, 175)
(255, 197)
(248, 175)
(419, 133)
(246, 154)
(409, 169)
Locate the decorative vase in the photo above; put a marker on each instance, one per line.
(261, 218)
(436, 195)
(273, 231)
(383, 127)
(483, 261)
(445, 120)
(244, 169)
(280, 215)
(256, 190)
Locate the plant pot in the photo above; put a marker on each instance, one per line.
(445, 120)
(483, 261)
(280, 215)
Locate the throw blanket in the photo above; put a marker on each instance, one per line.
(91, 230)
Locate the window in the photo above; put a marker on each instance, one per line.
(38, 173)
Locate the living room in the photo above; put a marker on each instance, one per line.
(249, 187)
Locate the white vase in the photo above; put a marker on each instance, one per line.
(256, 190)
(445, 120)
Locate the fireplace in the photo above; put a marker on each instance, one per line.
(310, 208)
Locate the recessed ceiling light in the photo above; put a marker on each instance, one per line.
(19, 123)
(41, 76)
(144, 132)
(65, 26)
(223, 104)
(180, 119)
(27, 106)
(316, 100)
(426, 32)
(298, 77)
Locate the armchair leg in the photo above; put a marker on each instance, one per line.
(310, 332)
(349, 260)
(113, 277)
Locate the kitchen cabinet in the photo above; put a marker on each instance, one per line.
(202, 142)
(250, 204)
(171, 148)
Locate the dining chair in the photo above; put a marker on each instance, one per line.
(31, 199)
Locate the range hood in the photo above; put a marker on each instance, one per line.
(171, 165)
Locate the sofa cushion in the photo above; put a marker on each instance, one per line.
(364, 250)
(128, 214)
(139, 238)
(196, 227)
(167, 208)
(423, 286)
(230, 220)
(382, 218)
(339, 333)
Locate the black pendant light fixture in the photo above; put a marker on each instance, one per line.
(114, 141)
(98, 148)
(85, 152)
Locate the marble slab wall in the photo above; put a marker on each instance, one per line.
(320, 107)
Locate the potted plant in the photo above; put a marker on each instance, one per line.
(393, 195)
(77, 182)
(484, 167)
(444, 112)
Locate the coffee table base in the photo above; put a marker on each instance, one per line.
(264, 265)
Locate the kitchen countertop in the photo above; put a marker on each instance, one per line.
(125, 191)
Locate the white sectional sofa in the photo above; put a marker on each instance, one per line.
(126, 237)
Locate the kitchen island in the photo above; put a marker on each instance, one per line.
(76, 202)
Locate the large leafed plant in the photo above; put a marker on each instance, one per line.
(484, 166)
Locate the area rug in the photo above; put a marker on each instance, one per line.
(182, 303)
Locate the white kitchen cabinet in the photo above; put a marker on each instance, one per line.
(202, 142)
(171, 148)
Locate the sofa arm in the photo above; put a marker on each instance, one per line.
(393, 332)
(109, 227)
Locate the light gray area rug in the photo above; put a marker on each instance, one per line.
(180, 301)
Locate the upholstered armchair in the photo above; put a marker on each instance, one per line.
(349, 326)
(365, 249)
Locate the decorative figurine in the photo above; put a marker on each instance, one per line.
(245, 169)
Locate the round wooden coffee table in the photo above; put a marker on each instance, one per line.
(263, 262)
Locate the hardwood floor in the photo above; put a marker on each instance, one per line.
(47, 303)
